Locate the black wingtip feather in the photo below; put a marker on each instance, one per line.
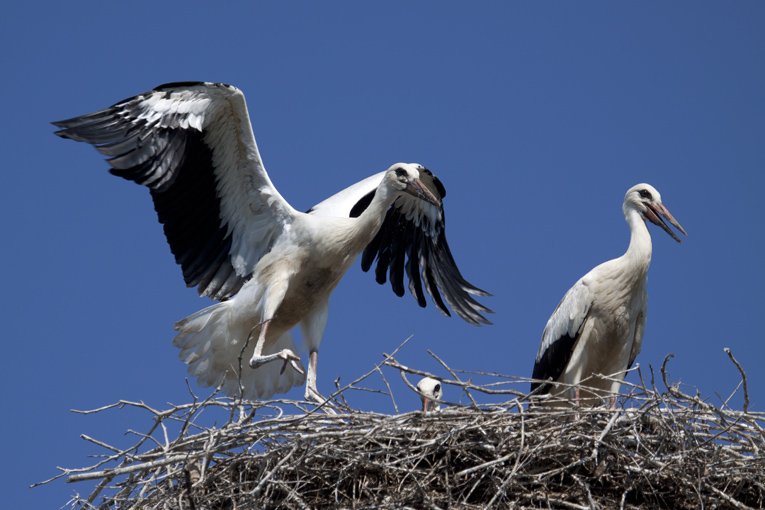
(177, 166)
(178, 84)
(551, 363)
(401, 246)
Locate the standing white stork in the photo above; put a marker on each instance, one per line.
(430, 393)
(598, 326)
(238, 241)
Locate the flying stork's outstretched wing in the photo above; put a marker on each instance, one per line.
(192, 145)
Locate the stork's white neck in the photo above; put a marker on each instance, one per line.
(638, 253)
(368, 223)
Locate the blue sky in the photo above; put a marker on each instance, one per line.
(537, 117)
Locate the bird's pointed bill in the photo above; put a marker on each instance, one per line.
(654, 213)
(428, 405)
(417, 189)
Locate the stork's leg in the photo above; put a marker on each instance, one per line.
(313, 329)
(285, 354)
(272, 299)
(311, 392)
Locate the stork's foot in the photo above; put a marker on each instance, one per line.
(285, 354)
(313, 395)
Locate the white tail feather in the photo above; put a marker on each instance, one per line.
(211, 344)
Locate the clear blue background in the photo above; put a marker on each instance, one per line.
(536, 116)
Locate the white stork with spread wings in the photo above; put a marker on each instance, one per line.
(598, 326)
(238, 241)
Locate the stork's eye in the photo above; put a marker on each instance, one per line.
(400, 172)
(437, 389)
(644, 193)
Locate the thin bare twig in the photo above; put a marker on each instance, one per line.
(743, 377)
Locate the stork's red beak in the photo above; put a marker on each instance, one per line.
(417, 189)
(429, 404)
(654, 213)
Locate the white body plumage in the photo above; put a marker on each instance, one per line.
(598, 326)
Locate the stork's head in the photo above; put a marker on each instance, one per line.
(430, 390)
(405, 178)
(647, 202)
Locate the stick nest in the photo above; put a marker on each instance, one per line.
(656, 449)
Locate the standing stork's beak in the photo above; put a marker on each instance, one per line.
(416, 188)
(654, 213)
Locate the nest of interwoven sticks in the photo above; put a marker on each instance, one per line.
(656, 449)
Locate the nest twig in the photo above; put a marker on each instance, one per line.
(657, 449)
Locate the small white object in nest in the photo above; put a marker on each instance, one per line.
(431, 392)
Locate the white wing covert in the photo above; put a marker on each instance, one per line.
(561, 333)
(191, 144)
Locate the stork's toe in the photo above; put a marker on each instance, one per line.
(290, 357)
